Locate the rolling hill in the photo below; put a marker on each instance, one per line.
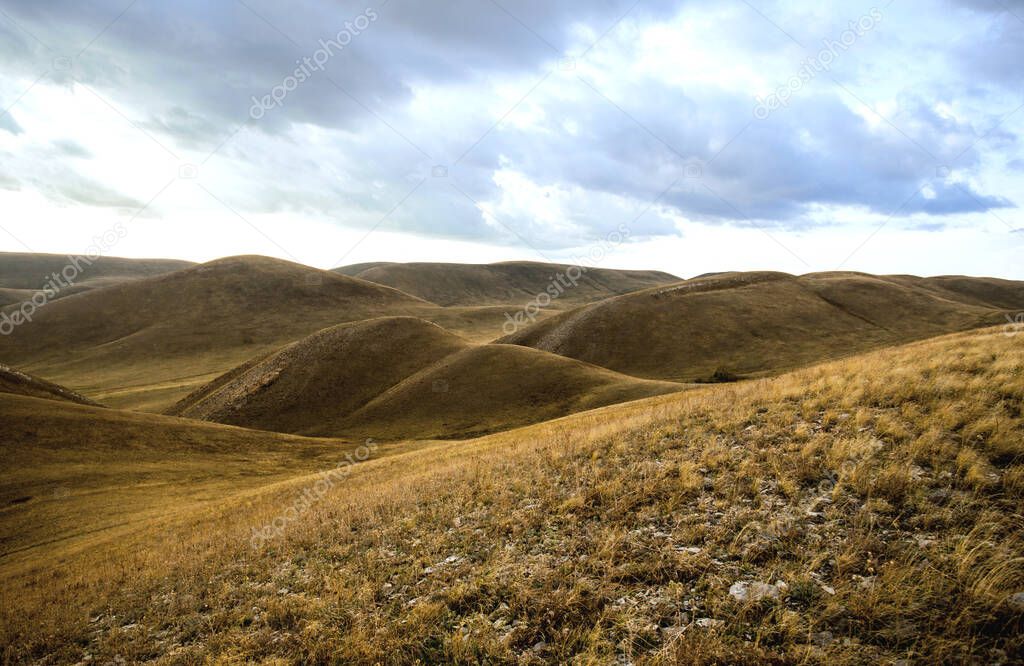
(513, 283)
(862, 511)
(12, 296)
(73, 471)
(755, 323)
(147, 343)
(18, 383)
(403, 377)
(22, 274)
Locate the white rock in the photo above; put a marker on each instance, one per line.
(865, 582)
(709, 623)
(1016, 601)
(755, 591)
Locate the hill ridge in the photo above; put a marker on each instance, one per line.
(503, 283)
(756, 323)
(403, 377)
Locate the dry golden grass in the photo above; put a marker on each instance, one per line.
(18, 383)
(881, 493)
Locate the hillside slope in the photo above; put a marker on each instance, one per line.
(861, 511)
(754, 323)
(19, 383)
(513, 283)
(30, 272)
(171, 331)
(988, 292)
(74, 471)
(147, 343)
(403, 377)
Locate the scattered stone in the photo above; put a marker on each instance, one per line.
(865, 582)
(709, 623)
(755, 591)
(823, 638)
(1016, 601)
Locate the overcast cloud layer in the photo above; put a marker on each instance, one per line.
(723, 135)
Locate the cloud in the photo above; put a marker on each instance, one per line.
(193, 66)
(9, 124)
(653, 127)
(71, 188)
(71, 148)
(8, 182)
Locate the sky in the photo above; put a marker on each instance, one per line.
(685, 136)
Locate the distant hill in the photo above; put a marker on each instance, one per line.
(354, 270)
(147, 343)
(13, 296)
(30, 272)
(405, 378)
(170, 331)
(986, 292)
(754, 323)
(513, 283)
(20, 383)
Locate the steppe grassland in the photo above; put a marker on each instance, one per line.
(884, 492)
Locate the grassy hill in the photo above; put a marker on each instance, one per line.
(147, 343)
(987, 292)
(353, 270)
(22, 274)
(75, 472)
(513, 283)
(754, 323)
(860, 511)
(403, 377)
(18, 383)
(12, 296)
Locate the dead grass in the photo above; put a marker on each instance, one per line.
(877, 498)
